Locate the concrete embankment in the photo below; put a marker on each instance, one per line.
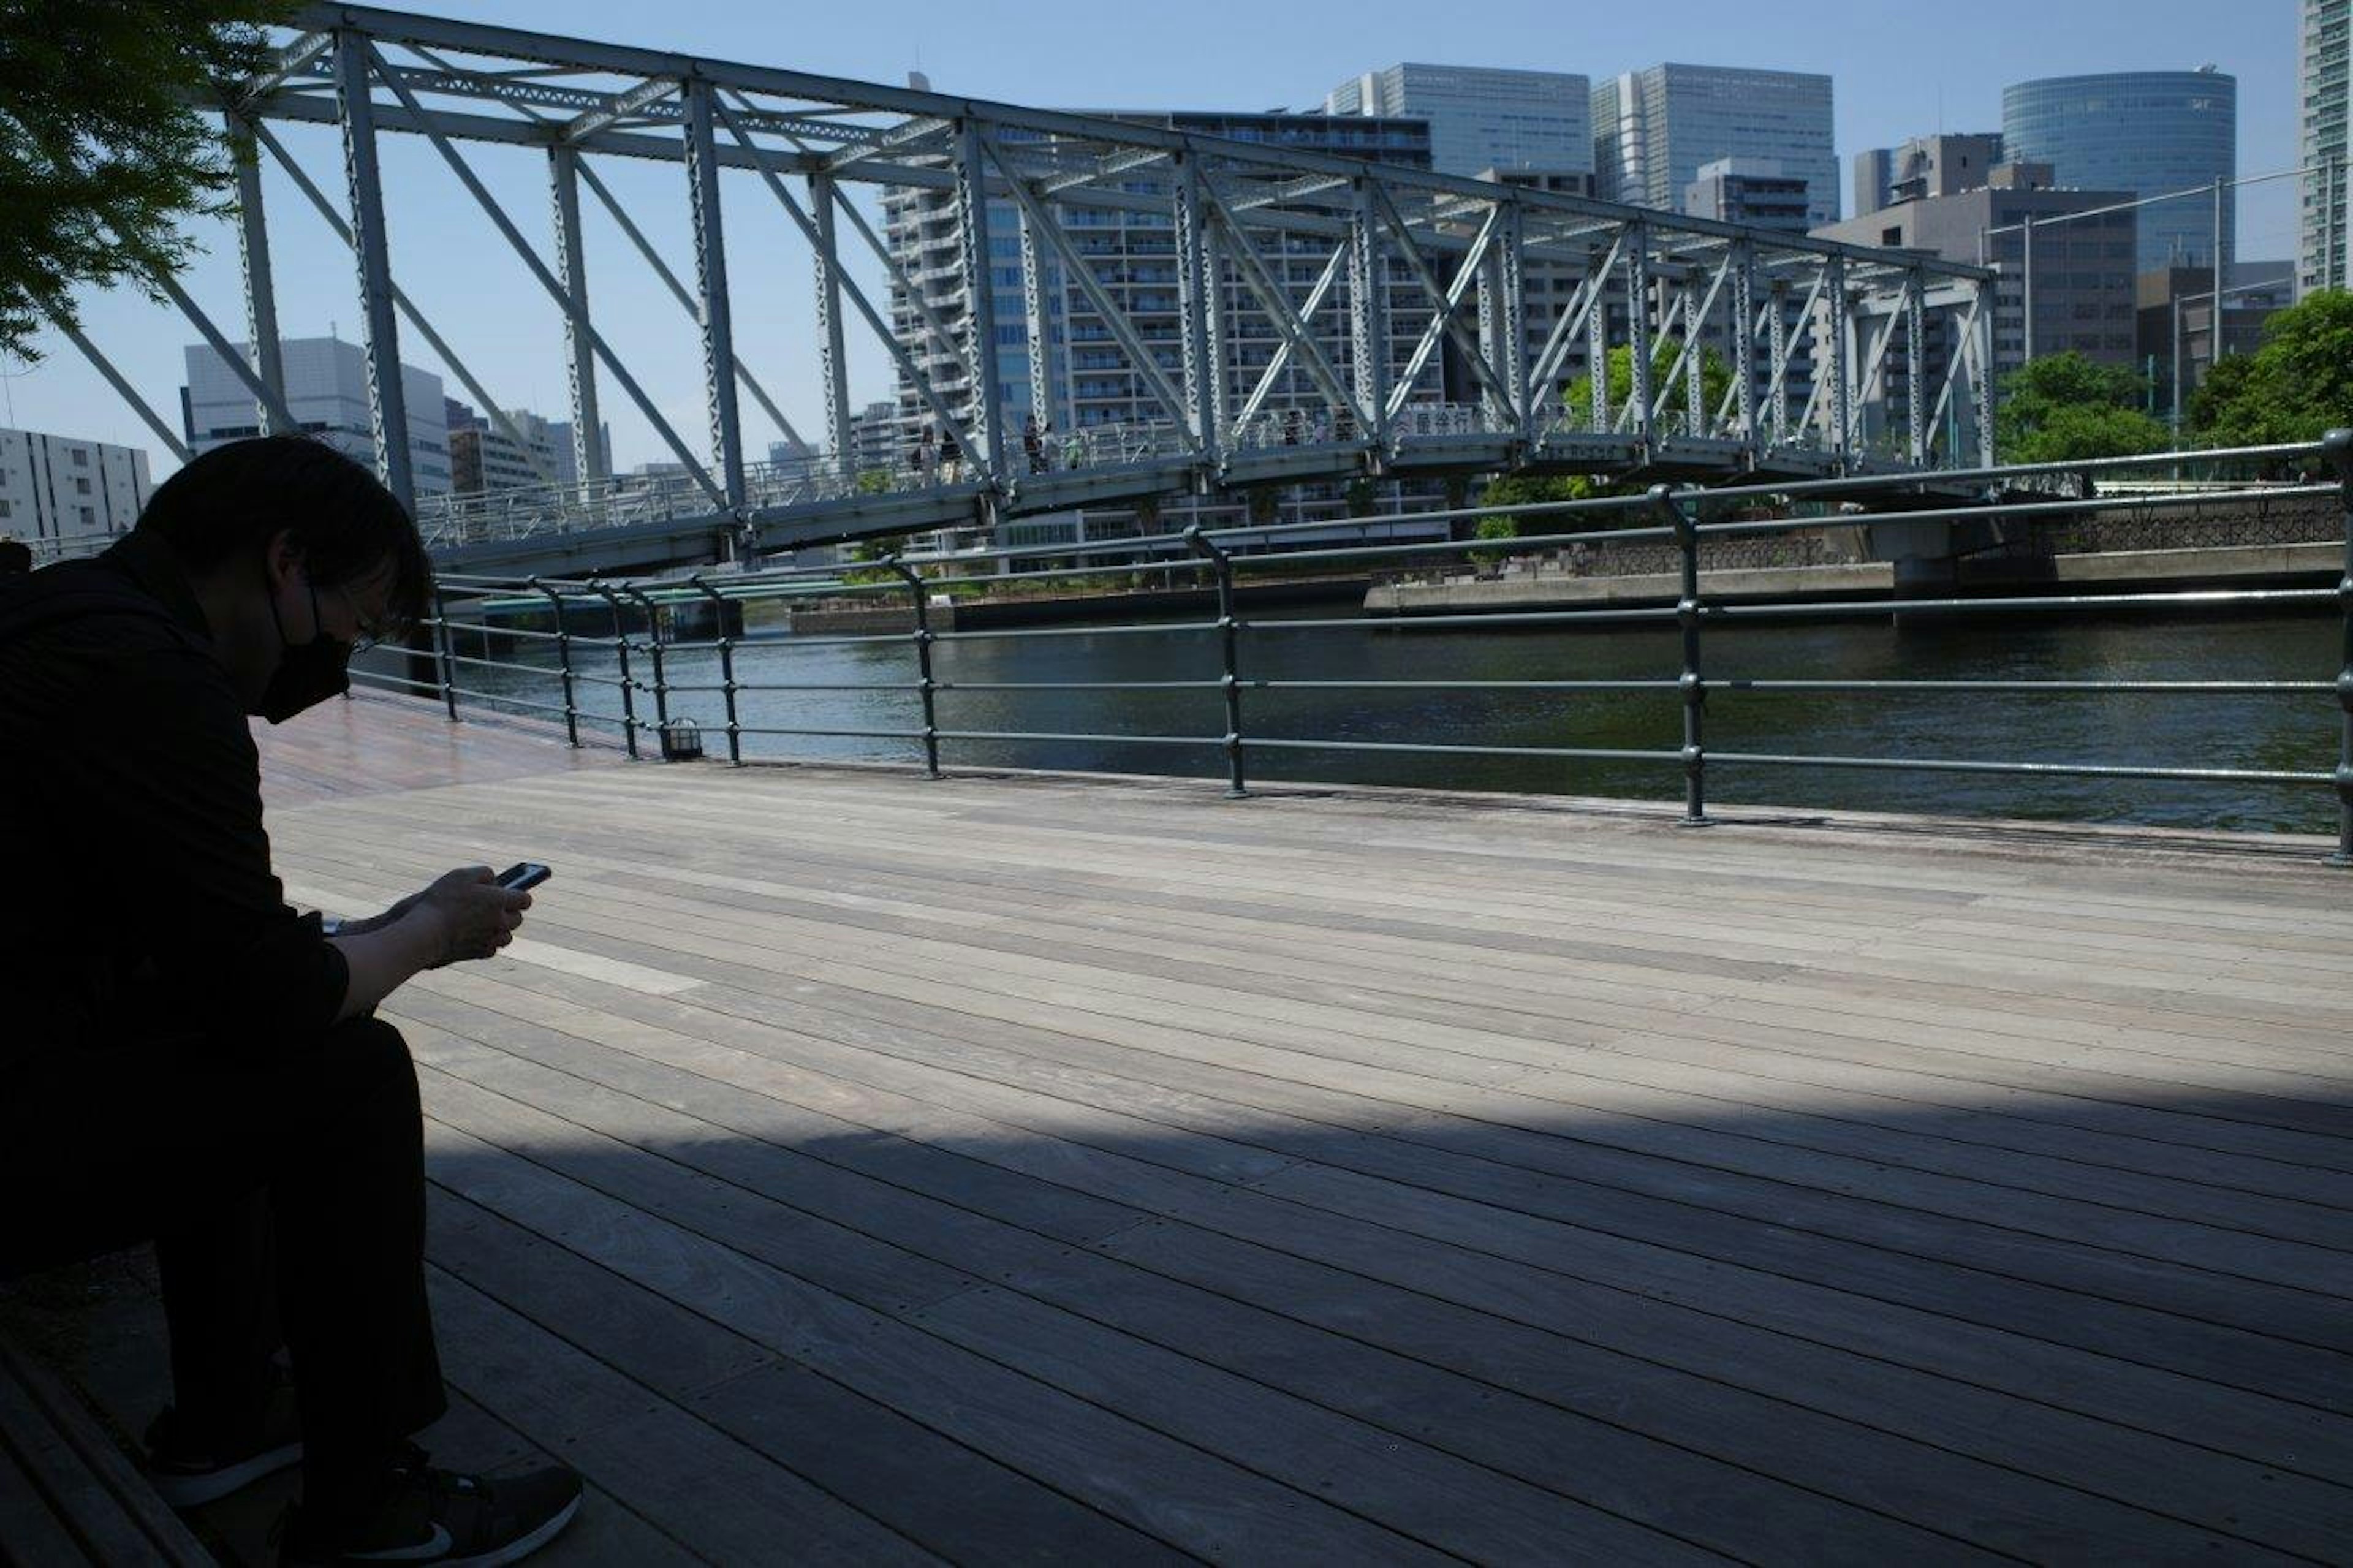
(2113, 572)
(979, 612)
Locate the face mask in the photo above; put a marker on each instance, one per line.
(308, 673)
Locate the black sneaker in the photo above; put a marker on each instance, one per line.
(188, 1472)
(441, 1517)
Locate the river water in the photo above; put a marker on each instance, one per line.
(2296, 731)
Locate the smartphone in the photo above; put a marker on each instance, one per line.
(523, 875)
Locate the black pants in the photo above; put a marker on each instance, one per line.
(291, 1195)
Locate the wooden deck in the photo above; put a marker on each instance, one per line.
(855, 1166)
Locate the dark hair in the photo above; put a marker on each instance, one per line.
(235, 499)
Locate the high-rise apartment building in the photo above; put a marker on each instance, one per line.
(2322, 49)
(874, 443)
(2148, 134)
(1654, 128)
(1481, 117)
(326, 391)
(1939, 166)
(1087, 379)
(67, 491)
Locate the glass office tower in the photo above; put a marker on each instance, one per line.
(2149, 132)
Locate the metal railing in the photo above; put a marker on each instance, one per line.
(1679, 526)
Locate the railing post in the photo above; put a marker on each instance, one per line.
(926, 685)
(564, 662)
(445, 649)
(2337, 447)
(726, 667)
(1687, 617)
(661, 681)
(1229, 628)
(628, 683)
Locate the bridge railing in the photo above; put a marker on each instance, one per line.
(628, 639)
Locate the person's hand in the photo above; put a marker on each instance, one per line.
(469, 914)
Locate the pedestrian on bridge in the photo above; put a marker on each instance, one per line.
(191, 1062)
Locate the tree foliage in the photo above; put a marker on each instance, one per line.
(2065, 405)
(102, 154)
(1523, 490)
(2296, 387)
(1666, 352)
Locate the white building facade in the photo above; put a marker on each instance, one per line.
(68, 491)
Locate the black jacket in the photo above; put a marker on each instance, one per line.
(139, 898)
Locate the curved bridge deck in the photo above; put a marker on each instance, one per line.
(854, 1166)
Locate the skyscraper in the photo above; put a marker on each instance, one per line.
(1481, 117)
(1654, 128)
(2147, 133)
(2322, 48)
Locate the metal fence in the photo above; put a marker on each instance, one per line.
(630, 652)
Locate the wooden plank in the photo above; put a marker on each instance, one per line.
(1742, 866)
(716, 1497)
(1577, 1086)
(1557, 1104)
(1655, 1281)
(938, 1493)
(1416, 1491)
(1409, 1398)
(1185, 1498)
(1474, 1122)
(1330, 1136)
(63, 1457)
(2002, 1509)
(28, 1522)
(2027, 1027)
(2188, 1067)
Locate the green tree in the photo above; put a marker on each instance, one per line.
(101, 154)
(1714, 378)
(2297, 386)
(1524, 490)
(1494, 527)
(2065, 405)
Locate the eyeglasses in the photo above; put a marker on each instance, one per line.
(368, 634)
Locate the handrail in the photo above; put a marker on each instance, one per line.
(1673, 519)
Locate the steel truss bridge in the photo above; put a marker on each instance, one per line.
(1324, 317)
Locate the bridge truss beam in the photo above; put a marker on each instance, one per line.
(1386, 316)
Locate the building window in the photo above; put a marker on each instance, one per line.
(5, 509)
(88, 517)
(81, 458)
(81, 486)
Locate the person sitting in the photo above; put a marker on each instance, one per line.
(189, 1060)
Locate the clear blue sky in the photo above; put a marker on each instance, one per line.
(1895, 76)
